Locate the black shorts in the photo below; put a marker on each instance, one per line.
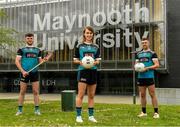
(87, 76)
(32, 77)
(145, 81)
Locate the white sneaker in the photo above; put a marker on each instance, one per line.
(18, 113)
(156, 115)
(37, 112)
(79, 119)
(142, 114)
(92, 119)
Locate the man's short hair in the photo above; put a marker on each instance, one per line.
(145, 39)
(29, 35)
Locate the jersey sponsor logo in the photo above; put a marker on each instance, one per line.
(144, 59)
(31, 55)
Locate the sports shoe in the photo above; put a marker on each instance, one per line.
(142, 114)
(79, 119)
(37, 112)
(156, 115)
(18, 113)
(92, 119)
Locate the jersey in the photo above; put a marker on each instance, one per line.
(29, 57)
(85, 49)
(146, 57)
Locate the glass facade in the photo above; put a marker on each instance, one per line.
(57, 24)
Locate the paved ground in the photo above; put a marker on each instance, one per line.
(113, 99)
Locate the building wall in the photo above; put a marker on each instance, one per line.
(172, 79)
(109, 82)
(119, 26)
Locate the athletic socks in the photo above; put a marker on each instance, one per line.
(91, 111)
(36, 108)
(156, 110)
(20, 108)
(144, 109)
(78, 111)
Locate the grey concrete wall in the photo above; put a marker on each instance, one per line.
(170, 96)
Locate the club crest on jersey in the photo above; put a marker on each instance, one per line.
(89, 47)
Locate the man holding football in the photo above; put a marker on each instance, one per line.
(146, 77)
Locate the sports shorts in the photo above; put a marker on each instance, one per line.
(88, 76)
(145, 81)
(32, 77)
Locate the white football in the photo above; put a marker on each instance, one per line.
(139, 67)
(87, 62)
